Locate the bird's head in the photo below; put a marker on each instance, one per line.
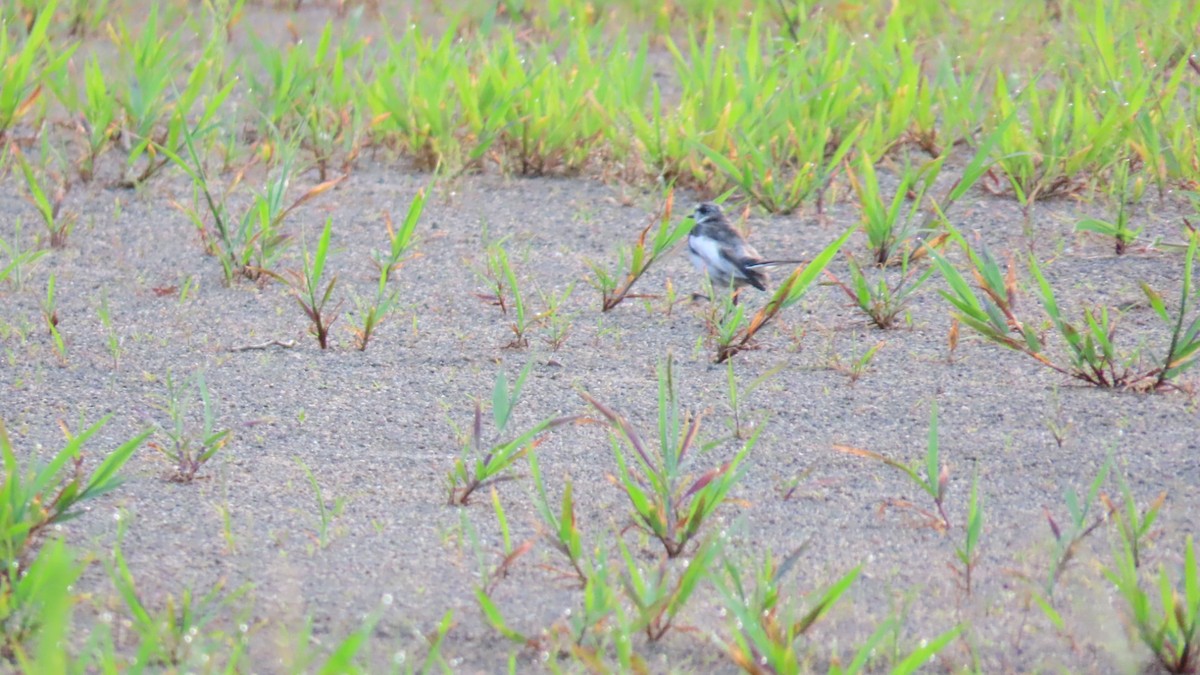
(705, 211)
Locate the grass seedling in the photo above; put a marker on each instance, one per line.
(490, 464)
(736, 395)
(766, 626)
(659, 595)
(17, 262)
(37, 497)
(735, 335)
(400, 243)
(859, 365)
(933, 483)
(25, 65)
(113, 340)
(173, 634)
(885, 299)
(1080, 526)
(505, 293)
(1092, 353)
(667, 503)
(1170, 627)
(307, 288)
(248, 247)
(968, 553)
(634, 261)
(33, 498)
(1134, 525)
(37, 609)
(1184, 349)
(50, 315)
(187, 448)
(1119, 231)
(562, 530)
(326, 513)
(889, 227)
(58, 225)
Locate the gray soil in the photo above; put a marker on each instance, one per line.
(378, 429)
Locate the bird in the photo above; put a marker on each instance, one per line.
(720, 251)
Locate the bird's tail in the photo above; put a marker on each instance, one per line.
(775, 263)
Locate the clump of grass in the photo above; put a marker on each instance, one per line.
(1169, 624)
(17, 261)
(933, 483)
(491, 463)
(888, 296)
(35, 498)
(312, 293)
(1092, 354)
(633, 262)
(187, 448)
(669, 504)
(735, 334)
(1118, 230)
(25, 65)
(400, 242)
(765, 629)
(250, 246)
(171, 636)
(504, 291)
(58, 224)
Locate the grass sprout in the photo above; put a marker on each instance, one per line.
(933, 483)
(735, 334)
(490, 463)
(766, 625)
(312, 293)
(34, 498)
(633, 262)
(1169, 624)
(668, 503)
(1092, 354)
(187, 448)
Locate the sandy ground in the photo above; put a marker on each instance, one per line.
(376, 428)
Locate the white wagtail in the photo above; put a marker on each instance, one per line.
(720, 251)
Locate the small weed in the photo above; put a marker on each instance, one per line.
(326, 513)
(766, 629)
(58, 225)
(885, 299)
(306, 285)
(1170, 627)
(17, 263)
(35, 498)
(188, 449)
(968, 553)
(736, 335)
(1080, 526)
(400, 243)
(50, 315)
(1119, 231)
(489, 465)
(934, 482)
(174, 634)
(659, 595)
(667, 503)
(633, 262)
(113, 340)
(1092, 353)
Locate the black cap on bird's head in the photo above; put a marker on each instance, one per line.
(706, 210)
